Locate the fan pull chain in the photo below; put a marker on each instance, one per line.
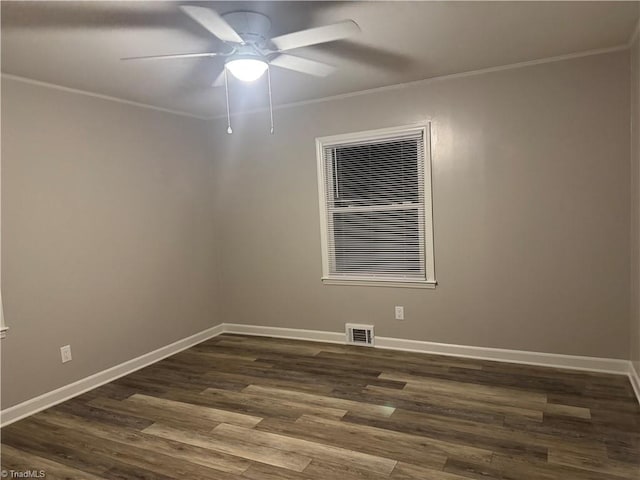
(226, 90)
(270, 101)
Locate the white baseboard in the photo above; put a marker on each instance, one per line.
(591, 364)
(49, 399)
(555, 360)
(292, 333)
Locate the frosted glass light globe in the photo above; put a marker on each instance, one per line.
(247, 69)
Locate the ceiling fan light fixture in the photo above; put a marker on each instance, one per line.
(247, 69)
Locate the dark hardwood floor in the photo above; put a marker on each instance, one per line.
(239, 407)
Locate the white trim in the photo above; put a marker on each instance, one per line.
(634, 378)
(481, 71)
(424, 81)
(54, 86)
(379, 283)
(572, 362)
(291, 333)
(556, 360)
(427, 255)
(49, 399)
(427, 190)
(322, 207)
(373, 135)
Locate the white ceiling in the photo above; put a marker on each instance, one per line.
(79, 44)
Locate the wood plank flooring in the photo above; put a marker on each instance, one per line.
(251, 408)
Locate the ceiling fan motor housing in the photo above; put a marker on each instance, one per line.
(253, 27)
(249, 49)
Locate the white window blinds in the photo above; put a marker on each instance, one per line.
(376, 214)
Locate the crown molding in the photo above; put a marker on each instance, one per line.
(30, 81)
(425, 81)
(397, 86)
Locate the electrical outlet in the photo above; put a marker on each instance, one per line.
(399, 312)
(65, 353)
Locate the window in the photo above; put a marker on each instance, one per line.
(375, 207)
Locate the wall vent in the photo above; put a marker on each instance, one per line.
(359, 334)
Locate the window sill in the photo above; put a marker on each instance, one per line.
(380, 283)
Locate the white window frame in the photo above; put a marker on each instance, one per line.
(429, 280)
(3, 326)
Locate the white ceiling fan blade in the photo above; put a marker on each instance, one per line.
(304, 65)
(212, 21)
(312, 36)
(177, 55)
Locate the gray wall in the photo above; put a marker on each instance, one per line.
(114, 218)
(635, 204)
(531, 211)
(108, 238)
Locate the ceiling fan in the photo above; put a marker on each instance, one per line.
(248, 49)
